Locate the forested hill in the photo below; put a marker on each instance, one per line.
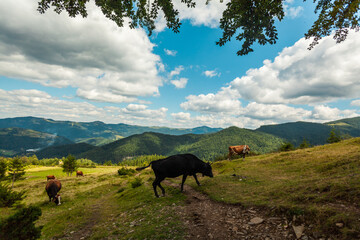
(314, 133)
(205, 146)
(349, 126)
(81, 131)
(296, 132)
(18, 140)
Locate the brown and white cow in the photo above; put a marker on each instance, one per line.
(79, 173)
(50, 177)
(52, 188)
(239, 150)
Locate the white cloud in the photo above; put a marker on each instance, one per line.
(181, 116)
(325, 113)
(19, 103)
(211, 73)
(176, 71)
(298, 76)
(203, 14)
(55, 50)
(170, 52)
(181, 83)
(356, 103)
(226, 100)
(293, 12)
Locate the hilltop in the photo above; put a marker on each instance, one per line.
(18, 140)
(205, 146)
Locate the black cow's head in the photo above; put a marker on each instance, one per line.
(207, 171)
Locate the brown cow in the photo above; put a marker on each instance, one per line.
(239, 150)
(52, 188)
(50, 177)
(79, 173)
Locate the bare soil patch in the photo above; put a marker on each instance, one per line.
(207, 219)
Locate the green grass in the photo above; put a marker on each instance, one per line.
(100, 205)
(321, 183)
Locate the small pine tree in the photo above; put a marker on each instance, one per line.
(21, 224)
(16, 169)
(108, 163)
(69, 165)
(9, 197)
(3, 168)
(304, 144)
(287, 146)
(334, 137)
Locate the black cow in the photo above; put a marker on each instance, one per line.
(176, 165)
(52, 188)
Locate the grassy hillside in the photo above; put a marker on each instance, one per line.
(80, 131)
(320, 184)
(17, 140)
(100, 205)
(205, 146)
(318, 188)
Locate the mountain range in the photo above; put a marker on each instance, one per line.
(97, 140)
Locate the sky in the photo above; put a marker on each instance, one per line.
(88, 69)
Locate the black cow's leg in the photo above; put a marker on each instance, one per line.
(162, 189)
(155, 183)
(183, 180)
(196, 180)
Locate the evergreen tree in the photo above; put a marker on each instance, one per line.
(3, 167)
(334, 137)
(16, 169)
(304, 144)
(69, 165)
(21, 225)
(287, 146)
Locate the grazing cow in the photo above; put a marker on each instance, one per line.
(176, 165)
(239, 150)
(52, 188)
(79, 173)
(50, 177)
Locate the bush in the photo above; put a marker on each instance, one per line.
(21, 224)
(9, 197)
(288, 146)
(3, 168)
(137, 182)
(126, 171)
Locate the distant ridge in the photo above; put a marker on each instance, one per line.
(81, 131)
(205, 146)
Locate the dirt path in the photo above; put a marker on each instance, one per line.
(207, 219)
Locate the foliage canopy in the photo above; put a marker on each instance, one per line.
(249, 21)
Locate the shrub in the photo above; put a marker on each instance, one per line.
(21, 224)
(126, 171)
(9, 197)
(287, 146)
(137, 182)
(3, 168)
(334, 137)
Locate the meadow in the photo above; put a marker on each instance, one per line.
(319, 187)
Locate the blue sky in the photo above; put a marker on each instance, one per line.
(57, 67)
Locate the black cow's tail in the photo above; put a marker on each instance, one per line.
(141, 168)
